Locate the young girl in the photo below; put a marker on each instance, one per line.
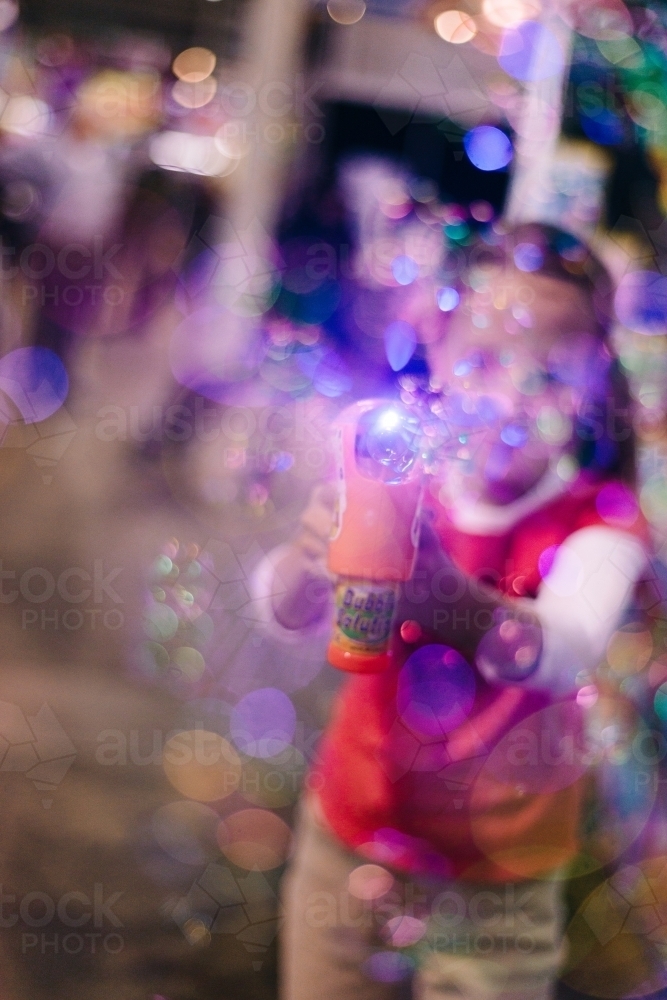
(449, 788)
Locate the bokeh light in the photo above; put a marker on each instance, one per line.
(369, 882)
(400, 341)
(192, 154)
(447, 298)
(488, 148)
(35, 380)
(346, 11)
(388, 966)
(531, 52)
(194, 65)
(629, 650)
(641, 302)
(194, 95)
(255, 839)
(509, 13)
(263, 723)
(455, 26)
(201, 765)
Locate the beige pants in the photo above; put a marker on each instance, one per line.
(478, 942)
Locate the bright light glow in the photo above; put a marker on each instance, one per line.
(194, 65)
(194, 95)
(509, 13)
(191, 154)
(24, 115)
(388, 420)
(455, 26)
(346, 11)
(447, 299)
(488, 148)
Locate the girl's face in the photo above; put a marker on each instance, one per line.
(521, 354)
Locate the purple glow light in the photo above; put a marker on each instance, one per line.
(35, 380)
(400, 341)
(263, 723)
(530, 52)
(617, 505)
(641, 302)
(488, 148)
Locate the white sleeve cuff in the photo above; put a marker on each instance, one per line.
(581, 603)
(265, 587)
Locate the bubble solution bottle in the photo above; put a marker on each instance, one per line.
(376, 530)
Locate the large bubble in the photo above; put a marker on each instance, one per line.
(436, 690)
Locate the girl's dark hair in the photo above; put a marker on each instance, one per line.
(604, 425)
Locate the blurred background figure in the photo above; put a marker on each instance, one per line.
(221, 223)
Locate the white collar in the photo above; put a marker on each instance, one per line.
(473, 517)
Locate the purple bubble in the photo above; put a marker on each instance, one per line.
(263, 723)
(388, 967)
(530, 52)
(447, 298)
(641, 302)
(617, 505)
(528, 257)
(404, 269)
(35, 380)
(436, 689)
(488, 148)
(400, 341)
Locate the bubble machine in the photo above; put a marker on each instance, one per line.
(376, 528)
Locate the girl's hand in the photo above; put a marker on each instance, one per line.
(303, 570)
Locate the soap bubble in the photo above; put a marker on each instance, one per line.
(387, 445)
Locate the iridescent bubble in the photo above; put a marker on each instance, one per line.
(587, 696)
(188, 663)
(388, 967)
(528, 257)
(404, 269)
(400, 341)
(436, 690)
(263, 723)
(617, 505)
(530, 52)
(254, 839)
(160, 622)
(447, 298)
(488, 148)
(35, 380)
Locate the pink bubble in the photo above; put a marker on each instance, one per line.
(617, 505)
(587, 696)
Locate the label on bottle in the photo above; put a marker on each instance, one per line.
(364, 613)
